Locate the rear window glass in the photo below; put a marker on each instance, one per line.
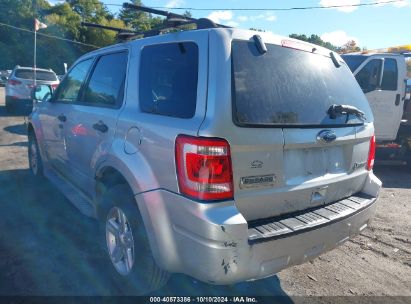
(168, 79)
(40, 75)
(291, 87)
(353, 61)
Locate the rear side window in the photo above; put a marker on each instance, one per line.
(69, 89)
(106, 84)
(168, 79)
(390, 75)
(289, 87)
(353, 61)
(368, 76)
(40, 75)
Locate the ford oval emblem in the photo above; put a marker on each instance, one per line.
(326, 136)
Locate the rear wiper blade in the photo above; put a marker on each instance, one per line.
(335, 111)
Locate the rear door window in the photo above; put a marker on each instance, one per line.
(168, 79)
(289, 87)
(106, 85)
(68, 90)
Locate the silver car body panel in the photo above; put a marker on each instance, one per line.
(211, 241)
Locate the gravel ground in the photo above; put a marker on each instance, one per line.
(48, 248)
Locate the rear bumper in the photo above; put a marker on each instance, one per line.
(24, 106)
(19, 102)
(215, 244)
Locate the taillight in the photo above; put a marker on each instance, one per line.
(371, 154)
(204, 168)
(13, 82)
(54, 86)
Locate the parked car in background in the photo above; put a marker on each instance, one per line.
(3, 80)
(382, 77)
(20, 84)
(408, 90)
(4, 76)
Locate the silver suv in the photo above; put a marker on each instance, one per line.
(224, 154)
(21, 82)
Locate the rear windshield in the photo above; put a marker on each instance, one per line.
(40, 75)
(288, 87)
(353, 61)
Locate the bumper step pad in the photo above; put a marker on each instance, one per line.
(283, 226)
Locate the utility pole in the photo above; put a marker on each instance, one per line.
(35, 41)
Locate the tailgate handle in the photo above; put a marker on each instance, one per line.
(397, 99)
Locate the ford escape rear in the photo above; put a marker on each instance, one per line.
(218, 153)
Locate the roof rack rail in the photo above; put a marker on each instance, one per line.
(122, 34)
(172, 21)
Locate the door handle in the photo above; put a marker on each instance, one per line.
(397, 99)
(62, 118)
(100, 126)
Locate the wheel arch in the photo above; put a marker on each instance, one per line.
(113, 172)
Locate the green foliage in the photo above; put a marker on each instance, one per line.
(63, 20)
(315, 39)
(349, 47)
(139, 21)
(256, 29)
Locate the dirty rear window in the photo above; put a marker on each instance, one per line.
(168, 79)
(40, 75)
(288, 87)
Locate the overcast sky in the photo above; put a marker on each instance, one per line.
(373, 27)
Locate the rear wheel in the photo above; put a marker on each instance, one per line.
(9, 106)
(125, 238)
(405, 152)
(35, 162)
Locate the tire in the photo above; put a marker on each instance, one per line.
(35, 161)
(128, 251)
(9, 106)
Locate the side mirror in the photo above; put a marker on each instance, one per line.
(41, 93)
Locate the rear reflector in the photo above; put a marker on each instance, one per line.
(390, 145)
(371, 154)
(204, 168)
(13, 82)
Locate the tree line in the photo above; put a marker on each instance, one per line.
(64, 20)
